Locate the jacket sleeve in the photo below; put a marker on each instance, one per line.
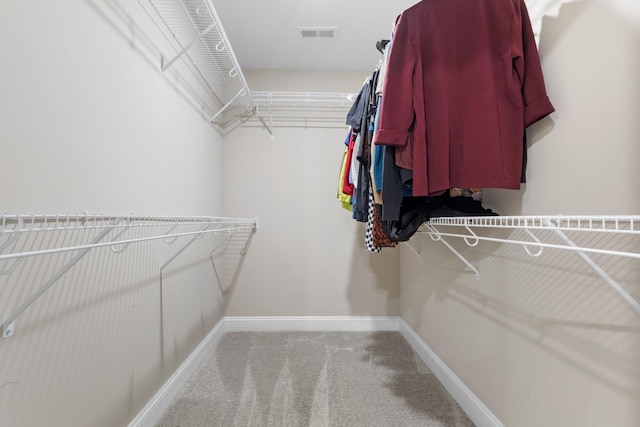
(527, 65)
(397, 112)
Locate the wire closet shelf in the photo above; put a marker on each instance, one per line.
(558, 225)
(197, 40)
(31, 235)
(303, 107)
(194, 30)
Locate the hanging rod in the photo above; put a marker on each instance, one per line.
(624, 225)
(14, 226)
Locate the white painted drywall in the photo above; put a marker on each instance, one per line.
(308, 257)
(545, 341)
(88, 124)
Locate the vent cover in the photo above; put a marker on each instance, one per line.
(318, 32)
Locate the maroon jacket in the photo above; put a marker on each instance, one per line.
(464, 79)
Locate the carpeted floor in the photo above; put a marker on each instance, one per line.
(314, 379)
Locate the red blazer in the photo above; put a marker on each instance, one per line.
(464, 79)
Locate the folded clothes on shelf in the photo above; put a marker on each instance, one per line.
(415, 211)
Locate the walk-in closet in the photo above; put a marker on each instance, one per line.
(178, 245)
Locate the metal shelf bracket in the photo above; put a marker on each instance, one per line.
(436, 236)
(184, 50)
(7, 327)
(15, 227)
(628, 225)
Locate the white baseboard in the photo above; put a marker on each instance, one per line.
(468, 401)
(152, 412)
(310, 323)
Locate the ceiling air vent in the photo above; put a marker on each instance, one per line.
(318, 32)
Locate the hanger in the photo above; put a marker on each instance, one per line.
(380, 45)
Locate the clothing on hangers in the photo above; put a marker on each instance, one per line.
(381, 45)
(464, 93)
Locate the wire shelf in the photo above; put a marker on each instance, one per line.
(302, 107)
(558, 225)
(36, 223)
(611, 224)
(191, 37)
(34, 235)
(194, 30)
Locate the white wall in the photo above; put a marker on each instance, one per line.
(545, 341)
(87, 123)
(308, 257)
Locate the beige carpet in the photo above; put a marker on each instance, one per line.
(314, 379)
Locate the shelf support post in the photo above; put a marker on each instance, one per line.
(193, 239)
(7, 327)
(437, 237)
(412, 249)
(187, 47)
(243, 254)
(271, 114)
(591, 263)
(242, 92)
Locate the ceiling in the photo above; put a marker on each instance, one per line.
(264, 34)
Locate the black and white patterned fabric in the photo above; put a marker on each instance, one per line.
(368, 237)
